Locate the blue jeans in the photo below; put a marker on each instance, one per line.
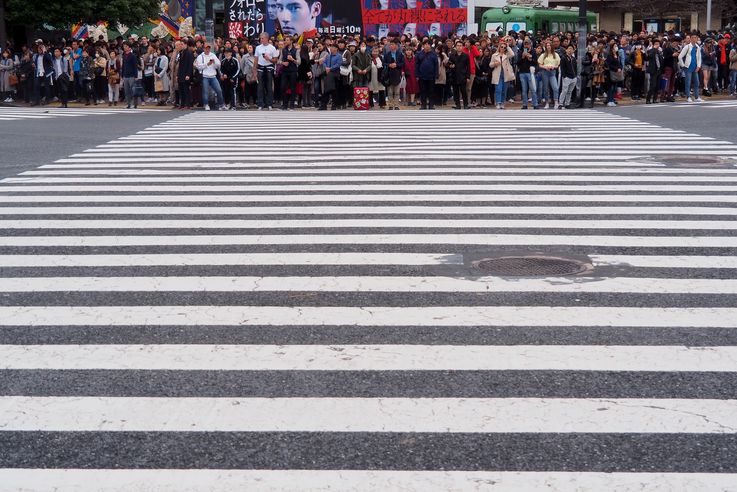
(550, 86)
(539, 86)
(525, 80)
(211, 82)
(732, 81)
(265, 87)
(500, 92)
(692, 78)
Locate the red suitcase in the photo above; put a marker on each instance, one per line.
(361, 99)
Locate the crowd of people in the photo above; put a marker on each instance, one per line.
(539, 70)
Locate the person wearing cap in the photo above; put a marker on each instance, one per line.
(209, 64)
(229, 70)
(709, 65)
(331, 80)
(722, 57)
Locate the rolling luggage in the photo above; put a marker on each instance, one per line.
(361, 98)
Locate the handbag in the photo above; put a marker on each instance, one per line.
(113, 78)
(12, 79)
(159, 85)
(616, 76)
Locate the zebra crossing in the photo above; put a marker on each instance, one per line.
(707, 103)
(8, 113)
(293, 301)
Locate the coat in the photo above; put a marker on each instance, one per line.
(186, 65)
(441, 79)
(460, 68)
(6, 68)
(654, 59)
(361, 61)
(375, 84)
(174, 68)
(684, 58)
(505, 65)
(427, 65)
(161, 73)
(395, 74)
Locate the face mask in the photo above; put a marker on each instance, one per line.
(363, 49)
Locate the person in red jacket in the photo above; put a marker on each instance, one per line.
(473, 54)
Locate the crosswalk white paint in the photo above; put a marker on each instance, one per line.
(482, 415)
(368, 358)
(508, 316)
(354, 480)
(128, 292)
(53, 112)
(373, 239)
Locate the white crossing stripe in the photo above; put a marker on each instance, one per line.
(354, 197)
(508, 316)
(368, 284)
(89, 480)
(373, 210)
(368, 358)
(380, 239)
(342, 258)
(439, 415)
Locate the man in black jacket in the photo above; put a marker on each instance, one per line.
(569, 74)
(229, 70)
(460, 66)
(655, 64)
(184, 75)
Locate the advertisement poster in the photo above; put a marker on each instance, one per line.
(433, 17)
(248, 18)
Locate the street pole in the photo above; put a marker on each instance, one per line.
(3, 32)
(209, 21)
(582, 32)
(708, 15)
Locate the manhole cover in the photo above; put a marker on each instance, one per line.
(689, 160)
(532, 266)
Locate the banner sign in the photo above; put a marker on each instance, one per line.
(245, 18)
(248, 18)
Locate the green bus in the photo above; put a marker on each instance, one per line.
(532, 19)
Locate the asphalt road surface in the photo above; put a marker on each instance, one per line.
(275, 301)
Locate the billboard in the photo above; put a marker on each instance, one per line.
(434, 17)
(344, 17)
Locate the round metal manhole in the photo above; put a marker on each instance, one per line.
(698, 161)
(532, 266)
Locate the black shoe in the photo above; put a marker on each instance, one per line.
(431, 107)
(456, 107)
(423, 107)
(322, 109)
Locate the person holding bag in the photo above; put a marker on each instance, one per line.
(113, 78)
(616, 75)
(162, 84)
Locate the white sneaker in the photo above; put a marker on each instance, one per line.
(689, 100)
(223, 108)
(207, 107)
(699, 100)
(611, 104)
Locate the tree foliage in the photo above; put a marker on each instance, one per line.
(62, 13)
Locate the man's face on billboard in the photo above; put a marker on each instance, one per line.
(297, 16)
(271, 9)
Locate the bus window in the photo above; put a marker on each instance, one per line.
(516, 26)
(553, 27)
